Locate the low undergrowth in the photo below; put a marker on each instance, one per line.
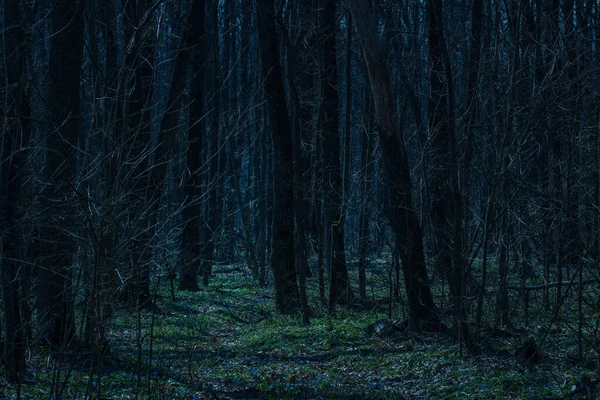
(226, 341)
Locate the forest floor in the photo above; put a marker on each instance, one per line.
(226, 341)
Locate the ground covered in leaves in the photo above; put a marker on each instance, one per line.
(227, 342)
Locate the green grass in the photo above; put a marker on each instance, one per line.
(227, 341)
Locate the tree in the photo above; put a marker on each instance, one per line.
(340, 290)
(398, 199)
(139, 72)
(447, 199)
(300, 78)
(190, 55)
(472, 101)
(14, 144)
(287, 298)
(56, 312)
(368, 139)
(217, 157)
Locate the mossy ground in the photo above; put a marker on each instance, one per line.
(226, 341)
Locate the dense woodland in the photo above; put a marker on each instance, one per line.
(300, 199)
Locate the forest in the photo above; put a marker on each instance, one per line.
(273, 199)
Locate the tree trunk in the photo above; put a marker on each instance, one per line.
(137, 114)
(340, 290)
(447, 206)
(348, 115)
(398, 199)
(14, 142)
(56, 314)
(213, 98)
(287, 298)
(470, 118)
(317, 219)
(298, 66)
(192, 213)
(367, 175)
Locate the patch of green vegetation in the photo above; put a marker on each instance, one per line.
(226, 341)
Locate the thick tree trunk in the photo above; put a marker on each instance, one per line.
(56, 314)
(287, 298)
(447, 206)
(297, 66)
(191, 41)
(14, 142)
(140, 209)
(398, 206)
(106, 189)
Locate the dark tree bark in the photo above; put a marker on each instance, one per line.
(348, 115)
(470, 118)
(447, 199)
(366, 176)
(287, 298)
(139, 65)
(398, 202)
(263, 194)
(229, 136)
(56, 314)
(107, 191)
(299, 79)
(340, 290)
(14, 144)
(236, 168)
(240, 114)
(191, 41)
(570, 241)
(304, 67)
(267, 204)
(163, 154)
(213, 100)
(321, 232)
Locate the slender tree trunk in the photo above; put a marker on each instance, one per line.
(570, 240)
(305, 67)
(213, 99)
(243, 208)
(317, 222)
(266, 194)
(367, 175)
(340, 290)
(472, 98)
(226, 198)
(503, 263)
(251, 193)
(348, 115)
